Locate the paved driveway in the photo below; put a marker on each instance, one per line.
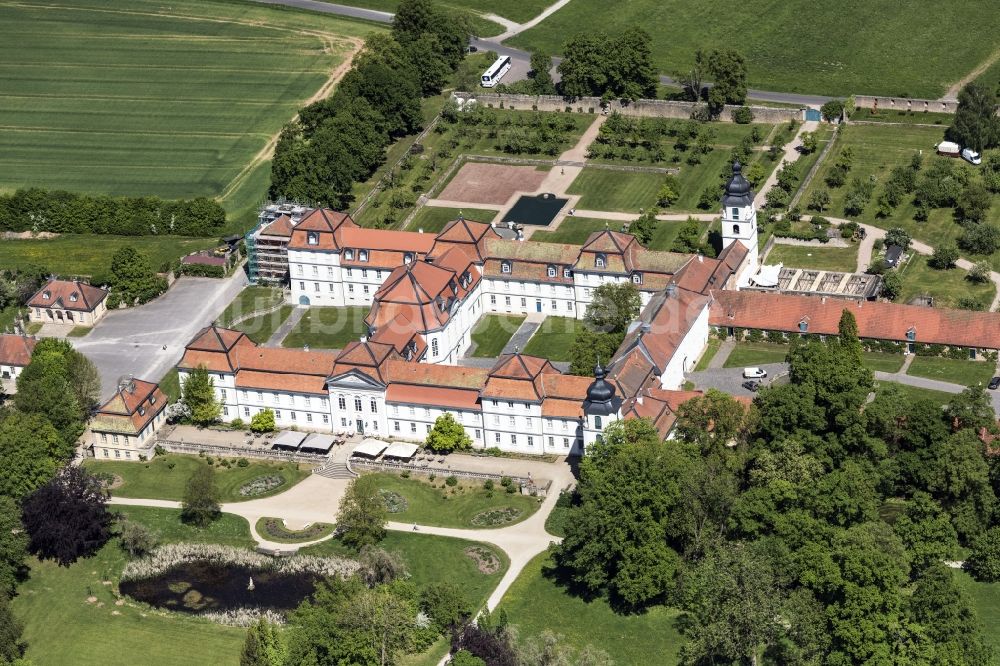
(729, 380)
(132, 341)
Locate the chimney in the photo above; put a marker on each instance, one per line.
(638, 399)
(305, 348)
(671, 290)
(363, 339)
(420, 230)
(701, 258)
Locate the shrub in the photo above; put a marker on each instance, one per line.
(488, 485)
(451, 481)
(984, 561)
(506, 481)
(263, 421)
(242, 462)
(159, 450)
(136, 538)
(237, 424)
(743, 115)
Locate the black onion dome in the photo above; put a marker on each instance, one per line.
(738, 191)
(600, 390)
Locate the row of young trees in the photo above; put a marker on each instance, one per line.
(341, 140)
(57, 211)
(765, 525)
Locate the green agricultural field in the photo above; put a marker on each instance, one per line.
(493, 332)
(815, 257)
(328, 328)
(554, 338)
(427, 503)
(164, 477)
(433, 219)
(86, 255)
(535, 603)
(964, 372)
(616, 191)
(145, 98)
(877, 149)
(853, 47)
(519, 11)
(946, 286)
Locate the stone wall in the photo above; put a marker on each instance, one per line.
(653, 108)
(904, 104)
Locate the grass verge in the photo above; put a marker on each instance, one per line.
(493, 332)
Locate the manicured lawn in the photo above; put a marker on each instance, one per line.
(535, 603)
(554, 338)
(328, 328)
(967, 373)
(755, 353)
(61, 627)
(616, 191)
(170, 384)
(90, 254)
(441, 507)
(710, 351)
(798, 46)
(179, 112)
(164, 477)
(575, 230)
(986, 599)
(916, 393)
(228, 529)
(946, 286)
(818, 258)
(493, 332)
(433, 219)
(883, 362)
(259, 329)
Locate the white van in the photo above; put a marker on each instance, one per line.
(971, 156)
(754, 373)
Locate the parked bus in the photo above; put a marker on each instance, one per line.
(492, 76)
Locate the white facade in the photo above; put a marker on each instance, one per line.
(739, 223)
(688, 352)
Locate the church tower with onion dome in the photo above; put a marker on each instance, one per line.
(739, 219)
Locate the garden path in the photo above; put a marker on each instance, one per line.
(512, 29)
(286, 327)
(791, 155)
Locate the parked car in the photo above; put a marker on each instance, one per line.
(754, 373)
(948, 149)
(751, 385)
(995, 383)
(971, 156)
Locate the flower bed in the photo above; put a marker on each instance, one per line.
(394, 502)
(275, 530)
(494, 517)
(486, 560)
(261, 485)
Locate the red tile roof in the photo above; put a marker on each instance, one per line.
(280, 226)
(325, 223)
(877, 320)
(68, 295)
(471, 236)
(131, 409)
(420, 292)
(383, 239)
(16, 350)
(464, 399)
(426, 374)
(215, 338)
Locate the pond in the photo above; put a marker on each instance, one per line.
(202, 587)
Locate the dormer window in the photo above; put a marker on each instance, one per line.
(152, 399)
(74, 297)
(566, 273)
(407, 257)
(312, 238)
(551, 271)
(601, 260)
(142, 411)
(911, 334)
(505, 267)
(454, 289)
(46, 295)
(349, 254)
(803, 326)
(362, 255)
(637, 278)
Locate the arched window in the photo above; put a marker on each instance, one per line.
(597, 422)
(736, 229)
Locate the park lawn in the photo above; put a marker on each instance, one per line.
(60, 627)
(616, 191)
(964, 372)
(912, 393)
(178, 113)
(868, 46)
(170, 384)
(535, 603)
(433, 219)
(574, 230)
(157, 479)
(440, 507)
(260, 329)
(946, 286)
(493, 332)
(328, 328)
(253, 298)
(228, 529)
(756, 353)
(553, 339)
(711, 349)
(817, 257)
(986, 599)
(90, 254)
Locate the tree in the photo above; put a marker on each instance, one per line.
(980, 271)
(136, 539)
(30, 452)
(362, 515)
(379, 566)
(262, 421)
(973, 204)
(944, 257)
(541, 79)
(263, 645)
(832, 110)
(133, 278)
(445, 604)
(465, 658)
(45, 387)
(975, 125)
(958, 478)
(713, 420)
(589, 348)
(693, 79)
(809, 142)
(847, 329)
(67, 518)
(84, 379)
(984, 560)
(552, 649)
(970, 409)
(614, 306)
(949, 619)
(11, 644)
(201, 497)
(926, 531)
(728, 71)
(982, 238)
(198, 394)
(13, 546)
(892, 285)
(644, 226)
(448, 435)
(667, 194)
(898, 236)
(631, 74)
(585, 65)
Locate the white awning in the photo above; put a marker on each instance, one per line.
(289, 439)
(767, 276)
(369, 447)
(401, 450)
(318, 442)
